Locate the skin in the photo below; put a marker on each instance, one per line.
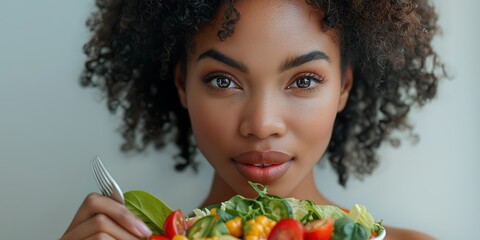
(263, 109)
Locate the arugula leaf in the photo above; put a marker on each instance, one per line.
(346, 229)
(274, 207)
(149, 208)
(256, 187)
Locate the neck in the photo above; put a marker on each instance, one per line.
(307, 189)
(220, 191)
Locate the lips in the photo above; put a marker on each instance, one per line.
(263, 167)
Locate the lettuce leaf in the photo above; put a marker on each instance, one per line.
(299, 207)
(328, 211)
(359, 214)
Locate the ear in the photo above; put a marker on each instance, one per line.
(347, 84)
(180, 84)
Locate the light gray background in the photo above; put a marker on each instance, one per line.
(50, 129)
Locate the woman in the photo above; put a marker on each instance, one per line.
(265, 87)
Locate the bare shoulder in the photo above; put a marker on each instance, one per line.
(400, 233)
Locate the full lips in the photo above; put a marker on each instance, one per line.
(278, 164)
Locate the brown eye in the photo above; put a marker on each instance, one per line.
(308, 81)
(223, 82)
(220, 80)
(303, 82)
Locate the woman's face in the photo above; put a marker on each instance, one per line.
(263, 102)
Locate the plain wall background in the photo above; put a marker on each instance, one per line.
(51, 128)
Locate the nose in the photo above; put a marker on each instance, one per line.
(262, 118)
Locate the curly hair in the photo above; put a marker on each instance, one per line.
(135, 45)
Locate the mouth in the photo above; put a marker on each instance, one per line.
(263, 167)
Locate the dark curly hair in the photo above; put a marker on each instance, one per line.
(135, 45)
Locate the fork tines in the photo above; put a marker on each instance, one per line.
(101, 177)
(105, 182)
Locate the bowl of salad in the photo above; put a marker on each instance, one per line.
(266, 217)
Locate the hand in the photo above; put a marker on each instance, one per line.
(100, 217)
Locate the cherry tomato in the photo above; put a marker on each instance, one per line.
(287, 229)
(175, 224)
(158, 237)
(319, 230)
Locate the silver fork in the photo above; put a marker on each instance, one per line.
(105, 182)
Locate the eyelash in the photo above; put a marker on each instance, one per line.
(209, 78)
(312, 77)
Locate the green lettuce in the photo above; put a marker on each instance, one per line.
(359, 214)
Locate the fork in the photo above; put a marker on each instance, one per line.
(105, 182)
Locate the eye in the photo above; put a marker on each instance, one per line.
(223, 82)
(220, 80)
(306, 81)
(303, 82)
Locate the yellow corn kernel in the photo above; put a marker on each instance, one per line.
(179, 237)
(213, 211)
(267, 230)
(256, 229)
(263, 220)
(234, 226)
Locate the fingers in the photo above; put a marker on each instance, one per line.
(99, 227)
(102, 236)
(101, 214)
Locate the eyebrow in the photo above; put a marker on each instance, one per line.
(224, 59)
(302, 59)
(287, 64)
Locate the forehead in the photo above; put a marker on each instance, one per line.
(291, 26)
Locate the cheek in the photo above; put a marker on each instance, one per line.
(212, 126)
(312, 124)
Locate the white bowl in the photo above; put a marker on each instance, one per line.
(380, 236)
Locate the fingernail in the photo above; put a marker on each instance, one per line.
(142, 228)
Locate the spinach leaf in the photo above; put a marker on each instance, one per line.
(347, 229)
(147, 207)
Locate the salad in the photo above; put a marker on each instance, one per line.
(264, 217)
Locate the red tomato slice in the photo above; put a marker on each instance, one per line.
(319, 230)
(287, 229)
(158, 237)
(175, 224)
